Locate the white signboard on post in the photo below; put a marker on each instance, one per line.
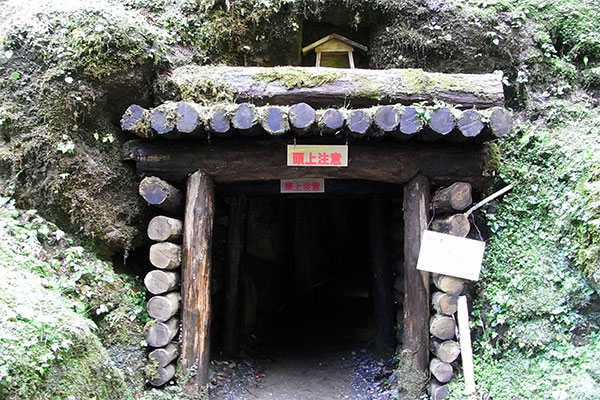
(451, 255)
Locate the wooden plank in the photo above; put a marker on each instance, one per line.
(236, 161)
(415, 341)
(236, 234)
(196, 302)
(465, 345)
(381, 276)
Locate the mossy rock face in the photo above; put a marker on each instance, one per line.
(74, 69)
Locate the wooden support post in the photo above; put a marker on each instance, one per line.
(415, 341)
(382, 277)
(465, 345)
(235, 250)
(197, 237)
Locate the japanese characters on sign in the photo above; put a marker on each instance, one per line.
(317, 155)
(450, 255)
(311, 185)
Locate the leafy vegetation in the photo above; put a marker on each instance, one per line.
(59, 306)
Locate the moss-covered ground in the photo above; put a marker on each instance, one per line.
(62, 313)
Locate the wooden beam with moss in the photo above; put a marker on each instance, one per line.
(326, 87)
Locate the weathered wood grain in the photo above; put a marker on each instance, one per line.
(265, 160)
(159, 281)
(360, 87)
(415, 341)
(196, 282)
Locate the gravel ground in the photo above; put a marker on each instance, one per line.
(334, 373)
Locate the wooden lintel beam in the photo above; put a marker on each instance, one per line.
(236, 161)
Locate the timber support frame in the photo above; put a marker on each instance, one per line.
(196, 315)
(415, 343)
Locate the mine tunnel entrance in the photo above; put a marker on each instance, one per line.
(319, 290)
(312, 294)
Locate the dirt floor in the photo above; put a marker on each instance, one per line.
(321, 353)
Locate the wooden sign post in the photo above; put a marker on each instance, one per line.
(452, 256)
(466, 350)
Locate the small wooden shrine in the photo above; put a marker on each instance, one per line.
(334, 51)
(405, 128)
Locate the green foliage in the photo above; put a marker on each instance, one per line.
(47, 346)
(89, 39)
(532, 297)
(564, 371)
(565, 33)
(113, 301)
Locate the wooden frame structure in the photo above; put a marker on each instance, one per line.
(249, 160)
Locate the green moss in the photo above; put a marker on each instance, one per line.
(203, 90)
(419, 81)
(296, 77)
(366, 89)
(411, 383)
(51, 291)
(493, 161)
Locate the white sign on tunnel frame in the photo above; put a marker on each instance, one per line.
(450, 255)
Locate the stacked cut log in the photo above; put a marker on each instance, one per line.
(189, 120)
(163, 281)
(447, 204)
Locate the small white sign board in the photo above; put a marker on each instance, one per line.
(451, 255)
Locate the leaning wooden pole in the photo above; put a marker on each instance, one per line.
(415, 343)
(236, 227)
(381, 276)
(197, 237)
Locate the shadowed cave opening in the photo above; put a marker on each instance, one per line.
(307, 294)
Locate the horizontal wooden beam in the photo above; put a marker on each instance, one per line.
(325, 87)
(192, 121)
(236, 161)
